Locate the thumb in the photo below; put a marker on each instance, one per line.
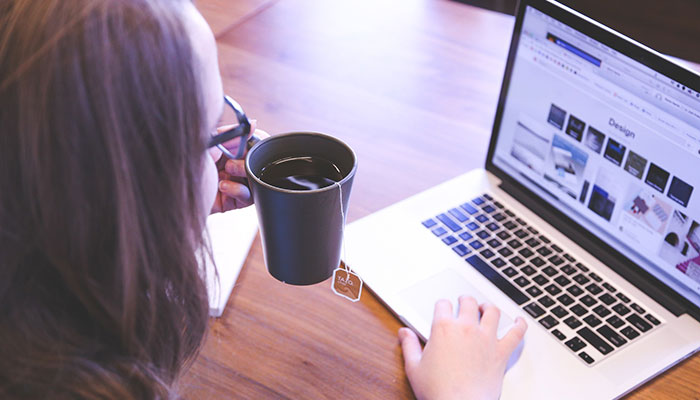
(410, 345)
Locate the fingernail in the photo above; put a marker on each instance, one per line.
(223, 185)
(402, 333)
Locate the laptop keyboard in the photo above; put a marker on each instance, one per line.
(584, 312)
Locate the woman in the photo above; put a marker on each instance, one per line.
(106, 110)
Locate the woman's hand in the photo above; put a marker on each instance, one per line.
(233, 192)
(463, 358)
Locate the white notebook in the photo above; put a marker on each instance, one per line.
(232, 233)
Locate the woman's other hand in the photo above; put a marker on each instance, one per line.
(463, 359)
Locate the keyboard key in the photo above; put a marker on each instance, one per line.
(492, 275)
(556, 260)
(487, 253)
(483, 234)
(582, 267)
(525, 252)
(461, 250)
(514, 243)
(482, 218)
(469, 208)
(637, 321)
(559, 311)
(544, 251)
(458, 215)
(637, 308)
(595, 277)
(498, 217)
(562, 280)
(493, 227)
(652, 319)
(476, 245)
(494, 243)
(594, 340)
(578, 310)
(488, 208)
(521, 221)
(486, 196)
(532, 230)
(553, 289)
(572, 322)
(601, 311)
(588, 300)
(509, 213)
(565, 299)
(449, 240)
(557, 334)
(594, 289)
(503, 235)
(498, 262)
(521, 281)
(520, 233)
(592, 320)
(472, 226)
(612, 336)
(546, 301)
(537, 262)
(581, 279)
(532, 242)
(505, 252)
(575, 344)
(540, 280)
(439, 231)
(568, 269)
(454, 227)
(629, 332)
(534, 310)
(517, 261)
(497, 204)
(585, 357)
(549, 322)
(607, 299)
(544, 239)
(621, 309)
(465, 236)
(610, 287)
(574, 290)
(478, 201)
(615, 321)
(550, 271)
(429, 223)
(510, 225)
(533, 291)
(510, 272)
(528, 270)
(623, 298)
(569, 258)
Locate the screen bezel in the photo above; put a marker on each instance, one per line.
(620, 263)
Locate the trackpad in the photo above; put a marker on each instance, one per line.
(448, 284)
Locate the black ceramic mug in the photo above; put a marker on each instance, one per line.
(301, 230)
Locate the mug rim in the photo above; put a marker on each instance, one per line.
(280, 136)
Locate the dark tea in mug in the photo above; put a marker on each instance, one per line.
(301, 173)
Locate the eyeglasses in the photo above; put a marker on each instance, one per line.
(242, 130)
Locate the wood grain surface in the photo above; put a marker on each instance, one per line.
(412, 86)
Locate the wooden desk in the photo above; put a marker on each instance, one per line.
(412, 86)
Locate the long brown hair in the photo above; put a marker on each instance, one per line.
(102, 139)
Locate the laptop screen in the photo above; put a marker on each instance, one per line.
(609, 142)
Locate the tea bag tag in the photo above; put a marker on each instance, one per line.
(347, 283)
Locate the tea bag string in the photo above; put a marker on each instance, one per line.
(342, 229)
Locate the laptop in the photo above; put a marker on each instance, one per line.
(584, 220)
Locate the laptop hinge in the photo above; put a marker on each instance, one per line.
(646, 282)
